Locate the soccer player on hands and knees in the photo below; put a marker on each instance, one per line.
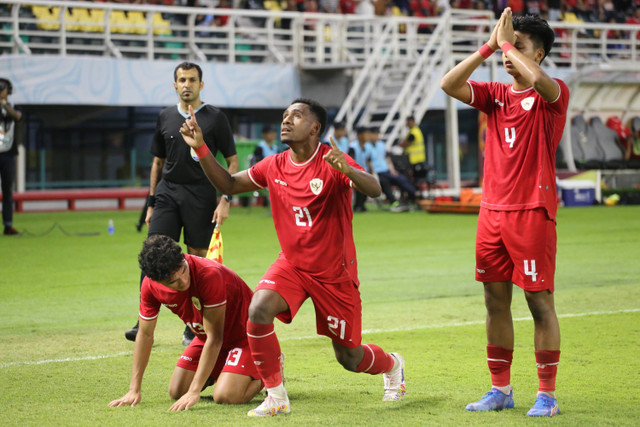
(214, 302)
(516, 237)
(310, 187)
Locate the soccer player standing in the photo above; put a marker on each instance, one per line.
(310, 188)
(516, 236)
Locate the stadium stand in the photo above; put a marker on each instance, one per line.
(607, 139)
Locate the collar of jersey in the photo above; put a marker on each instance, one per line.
(186, 115)
(308, 160)
(521, 91)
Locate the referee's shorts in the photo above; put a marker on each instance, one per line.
(184, 206)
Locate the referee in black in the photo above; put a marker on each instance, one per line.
(180, 195)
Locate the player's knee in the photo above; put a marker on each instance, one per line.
(348, 361)
(175, 392)
(228, 398)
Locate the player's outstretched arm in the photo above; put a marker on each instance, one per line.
(213, 323)
(362, 181)
(454, 83)
(530, 71)
(221, 179)
(141, 353)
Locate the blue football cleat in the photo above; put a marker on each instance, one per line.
(495, 400)
(545, 406)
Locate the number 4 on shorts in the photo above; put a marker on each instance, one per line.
(533, 273)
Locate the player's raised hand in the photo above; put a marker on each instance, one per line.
(191, 131)
(185, 402)
(336, 158)
(130, 399)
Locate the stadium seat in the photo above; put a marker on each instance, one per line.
(118, 21)
(587, 154)
(139, 22)
(161, 26)
(44, 14)
(97, 17)
(609, 144)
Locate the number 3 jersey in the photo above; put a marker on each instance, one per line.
(523, 133)
(212, 285)
(311, 207)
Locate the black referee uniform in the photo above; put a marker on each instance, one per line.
(184, 198)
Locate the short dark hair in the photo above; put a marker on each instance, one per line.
(538, 31)
(160, 257)
(317, 109)
(187, 66)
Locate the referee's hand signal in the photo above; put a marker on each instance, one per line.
(191, 132)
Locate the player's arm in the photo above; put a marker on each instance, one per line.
(221, 213)
(454, 83)
(529, 70)
(156, 176)
(213, 323)
(15, 114)
(225, 182)
(362, 181)
(141, 353)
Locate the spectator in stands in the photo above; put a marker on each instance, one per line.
(413, 145)
(382, 165)
(348, 7)
(267, 146)
(8, 151)
(180, 195)
(629, 140)
(360, 150)
(340, 136)
(635, 20)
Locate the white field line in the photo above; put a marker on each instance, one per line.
(368, 331)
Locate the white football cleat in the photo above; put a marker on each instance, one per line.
(270, 407)
(394, 387)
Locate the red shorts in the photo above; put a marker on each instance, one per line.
(235, 360)
(516, 246)
(338, 306)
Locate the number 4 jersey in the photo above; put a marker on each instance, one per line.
(523, 133)
(212, 285)
(311, 207)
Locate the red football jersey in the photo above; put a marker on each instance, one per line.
(212, 285)
(311, 207)
(523, 133)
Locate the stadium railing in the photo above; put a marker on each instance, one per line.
(310, 40)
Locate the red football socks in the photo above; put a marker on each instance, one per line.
(547, 361)
(499, 361)
(265, 350)
(375, 360)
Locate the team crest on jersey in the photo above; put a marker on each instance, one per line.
(527, 103)
(194, 156)
(196, 302)
(316, 185)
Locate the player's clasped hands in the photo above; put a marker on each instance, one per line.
(129, 399)
(336, 158)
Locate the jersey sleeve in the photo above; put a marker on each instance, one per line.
(223, 136)
(258, 172)
(212, 284)
(560, 105)
(149, 305)
(480, 96)
(158, 148)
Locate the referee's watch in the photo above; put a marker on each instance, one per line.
(227, 198)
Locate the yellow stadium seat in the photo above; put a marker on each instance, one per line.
(82, 19)
(118, 21)
(43, 13)
(139, 22)
(97, 17)
(161, 26)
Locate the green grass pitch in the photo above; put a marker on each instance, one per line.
(67, 299)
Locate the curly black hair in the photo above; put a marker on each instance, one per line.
(537, 29)
(160, 257)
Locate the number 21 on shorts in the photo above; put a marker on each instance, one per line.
(337, 326)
